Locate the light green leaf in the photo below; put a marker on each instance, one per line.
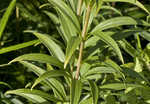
(6, 16)
(61, 5)
(50, 74)
(108, 40)
(86, 101)
(119, 86)
(111, 8)
(94, 91)
(76, 89)
(43, 58)
(37, 70)
(145, 35)
(51, 45)
(71, 47)
(114, 22)
(135, 2)
(36, 96)
(18, 46)
(99, 70)
(128, 48)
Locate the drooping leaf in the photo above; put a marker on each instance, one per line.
(53, 83)
(18, 46)
(36, 96)
(94, 91)
(108, 40)
(61, 5)
(135, 2)
(111, 8)
(128, 48)
(99, 70)
(76, 88)
(5, 84)
(54, 48)
(50, 74)
(71, 47)
(114, 22)
(43, 58)
(6, 16)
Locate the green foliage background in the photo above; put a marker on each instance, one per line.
(40, 43)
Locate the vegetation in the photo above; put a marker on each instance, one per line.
(74, 52)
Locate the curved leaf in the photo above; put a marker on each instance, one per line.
(114, 22)
(135, 2)
(43, 58)
(50, 74)
(6, 16)
(36, 96)
(108, 40)
(67, 11)
(51, 45)
(5, 84)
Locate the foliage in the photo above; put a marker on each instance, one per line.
(75, 52)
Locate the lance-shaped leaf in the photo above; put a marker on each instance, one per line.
(94, 91)
(119, 86)
(108, 40)
(76, 88)
(6, 16)
(61, 5)
(50, 74)
(35, 96)
(18, 46)
(135, 2)
(53, 48)
(43, 58)
(53, 83)
(5, 84)
(71, 47)
(114, 22)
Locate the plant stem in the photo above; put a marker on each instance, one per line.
(79, 7)
(84, 32)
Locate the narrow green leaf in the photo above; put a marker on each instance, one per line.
(67, 11)
(6, 16)
(18, 46)
(145, 35)
(99, 70)
(52, 83)
(111, 8)
(114, 22)
(135, 2)
(128, 48)
(36, 96)
(50, 74)
(94, 91)
(108, 40)
(71, 47)
(51, 45)
(119, 86)
(43, 58)
(37, 70)
(5, 84)
(76, 89)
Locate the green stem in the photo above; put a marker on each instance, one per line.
(84, 32)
